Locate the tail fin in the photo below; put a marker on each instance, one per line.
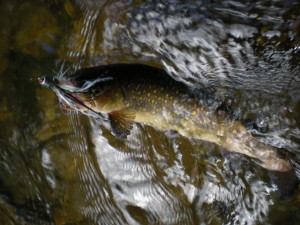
(287, 182)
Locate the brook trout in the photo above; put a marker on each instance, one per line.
(136, 93)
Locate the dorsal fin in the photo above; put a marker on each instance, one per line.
(121, 122)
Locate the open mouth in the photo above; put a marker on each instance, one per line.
(67, 99)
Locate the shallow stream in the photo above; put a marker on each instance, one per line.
(65, 168)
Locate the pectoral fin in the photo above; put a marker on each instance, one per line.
(121, 122)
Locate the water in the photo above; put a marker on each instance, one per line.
(64, 168)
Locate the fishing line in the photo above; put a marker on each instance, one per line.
(18, 78)
(65, 95)
(82, 104)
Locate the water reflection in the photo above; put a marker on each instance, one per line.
(66, 169)
(138, 182)
(80, 193)
(229, 54)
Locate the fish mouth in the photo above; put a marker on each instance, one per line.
(68, 99)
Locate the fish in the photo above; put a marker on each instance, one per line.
(135, 93)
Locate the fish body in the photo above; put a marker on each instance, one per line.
(136, 93)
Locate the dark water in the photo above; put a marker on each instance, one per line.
(58, 168)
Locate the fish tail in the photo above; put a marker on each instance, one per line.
(274, 159)
(283, 166)
(265, 155)
(287, 182)
(276, 163)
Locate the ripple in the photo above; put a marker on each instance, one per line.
(137, 183)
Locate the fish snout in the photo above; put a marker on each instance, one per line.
(47, 81)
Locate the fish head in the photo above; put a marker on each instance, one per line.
(91, 97)
(65, 90)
